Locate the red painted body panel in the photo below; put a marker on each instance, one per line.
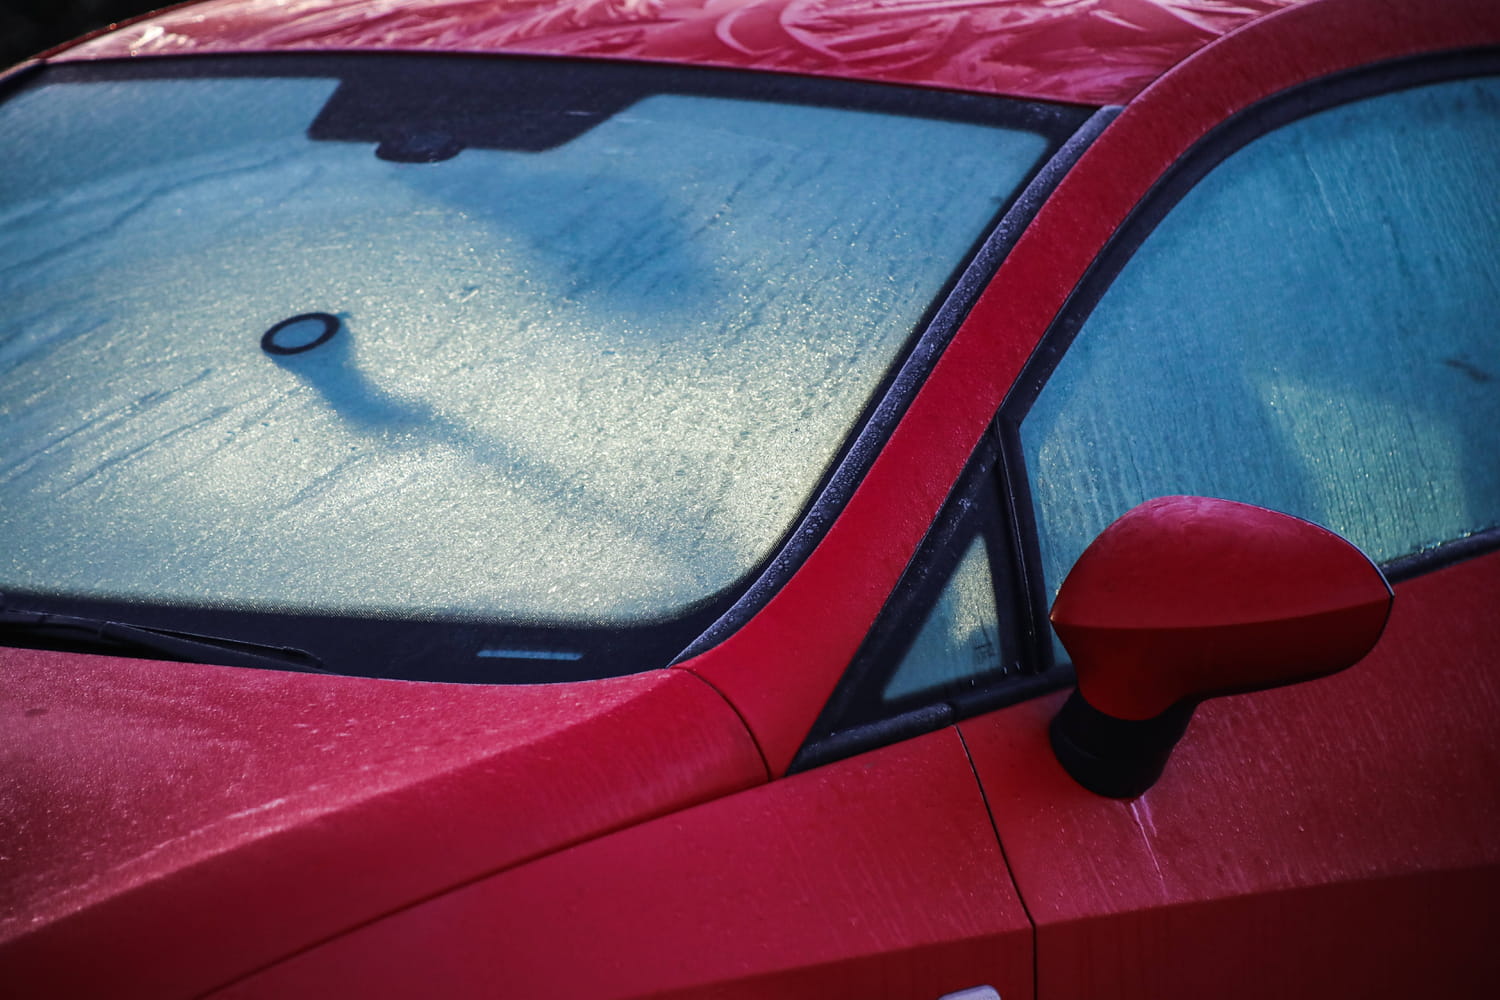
(878, 877)
(1334, 838)
(254, 812)
(1083, 51)
(1185, 598)
(780, 668)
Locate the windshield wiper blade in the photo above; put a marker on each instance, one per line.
(39, 629)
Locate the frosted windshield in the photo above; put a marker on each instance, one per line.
(595, 383)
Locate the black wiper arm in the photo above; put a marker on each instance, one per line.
(96, 635)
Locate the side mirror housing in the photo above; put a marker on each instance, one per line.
(1188, 598)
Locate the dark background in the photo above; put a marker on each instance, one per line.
(30, 26)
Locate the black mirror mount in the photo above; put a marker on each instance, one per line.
(1116, 758)
(1188, 598)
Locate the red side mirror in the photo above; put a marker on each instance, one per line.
(1187, 598)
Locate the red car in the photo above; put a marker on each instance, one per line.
(564, 498)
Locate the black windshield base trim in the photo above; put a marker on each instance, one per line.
(48, 631)
(452, 650)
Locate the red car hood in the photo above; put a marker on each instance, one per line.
(254, 813)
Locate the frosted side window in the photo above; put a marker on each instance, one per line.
(1313, 329)
(961, 636)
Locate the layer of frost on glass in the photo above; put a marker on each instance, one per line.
(960, 639)
(595, 383)
(1312, 329)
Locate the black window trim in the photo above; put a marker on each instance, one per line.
(857, 716)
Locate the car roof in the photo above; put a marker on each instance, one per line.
(1078, 51)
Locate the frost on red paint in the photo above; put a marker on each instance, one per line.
(1084, 51)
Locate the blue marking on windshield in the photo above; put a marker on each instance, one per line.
(530, 654)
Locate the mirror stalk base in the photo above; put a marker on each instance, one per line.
(1117, 758)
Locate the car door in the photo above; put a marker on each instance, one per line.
(1300, 315)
